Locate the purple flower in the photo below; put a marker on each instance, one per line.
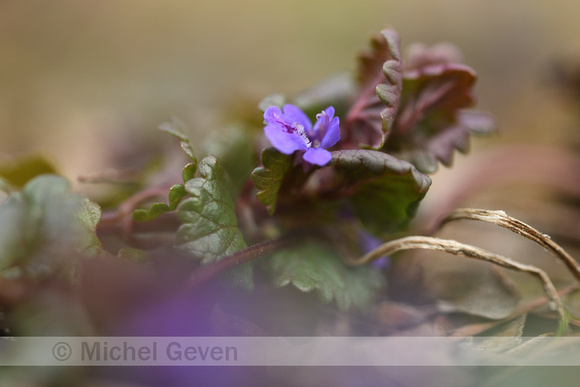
(291, 130)
(368, 244)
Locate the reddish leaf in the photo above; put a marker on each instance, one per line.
(419, 55)
(432, 122)
(376, 106)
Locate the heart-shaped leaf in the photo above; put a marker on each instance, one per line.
(314, 267)
(45, 226)
(383, 190)
(210, 230)
(268, 178)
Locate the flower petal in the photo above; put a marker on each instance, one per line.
(274, 115)
(332, 134)
(285, 142)
(317, 156)
(330, 111)
(296, 114)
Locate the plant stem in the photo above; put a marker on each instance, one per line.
(468, 251)
(205, 274)
(501, 219)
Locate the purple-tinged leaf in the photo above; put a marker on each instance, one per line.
(374, 111)
(476, 121)
(425, 152)
(456, 136)
(432, 89)
(432, 122)
(418, 55)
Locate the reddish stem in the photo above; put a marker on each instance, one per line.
(206, 273)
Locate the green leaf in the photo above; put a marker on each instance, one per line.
(474, 289)
(89, 216)
(19, 172)
(45, 227)
(176, 128)
(176, 194)
(189, 171)
(383, 190)
(5, 189)
(210, 230)
(12, 238)
(234, 148)
(502, 337)
(268, 178)
(314, 267)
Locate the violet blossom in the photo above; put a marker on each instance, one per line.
(290, 130)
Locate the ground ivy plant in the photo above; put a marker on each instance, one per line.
(296, 193)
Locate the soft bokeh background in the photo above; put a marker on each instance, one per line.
(76, 75)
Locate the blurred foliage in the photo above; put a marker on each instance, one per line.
(18, 173)
(312, 267)
(88, 83)
(45, 227)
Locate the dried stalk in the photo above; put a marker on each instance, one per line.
(501, 219)
(463, 250)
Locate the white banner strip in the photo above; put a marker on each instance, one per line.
(289, 351)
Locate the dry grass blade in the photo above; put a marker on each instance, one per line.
(463, 250)
(501, 219)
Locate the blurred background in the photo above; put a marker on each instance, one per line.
(79, 79)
